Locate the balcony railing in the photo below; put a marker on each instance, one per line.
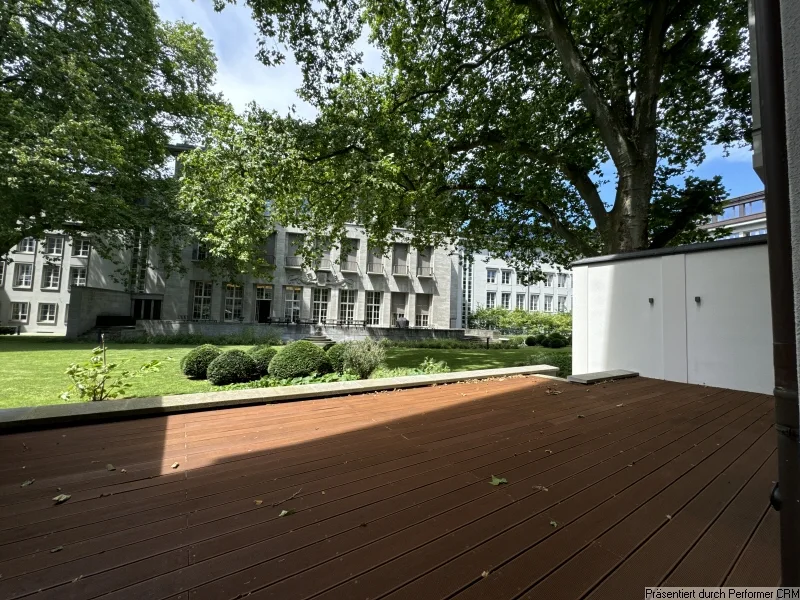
(400, 270)
(294, 262)
(324, 264)
(375, 268)
(424, 271)
(349, 266)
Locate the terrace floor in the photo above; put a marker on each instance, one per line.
(609, 489)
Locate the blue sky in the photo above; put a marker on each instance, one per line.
(242, 78)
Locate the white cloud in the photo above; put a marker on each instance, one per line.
(241, 77)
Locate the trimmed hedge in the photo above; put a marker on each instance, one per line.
(234, 366)
(299, 359)
(262, 355)
(195, 363)
(336, 356)
(530, 340)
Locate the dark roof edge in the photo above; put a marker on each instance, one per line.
(752, 240)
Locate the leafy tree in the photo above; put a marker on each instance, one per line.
(91, 94)
(490, 123)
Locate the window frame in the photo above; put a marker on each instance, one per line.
(21, 249)
(16, 282)
(19, 319)
(347, 305)
(319, 307)
(205, 300)
(78, 245)
(372, 308)
(533, 304)
(491, 276)
(505, 277)
(493, 302)
(292, 306)
(73, 269)
(58, 243)
(51, 268)
(42, 305)
(233, 303)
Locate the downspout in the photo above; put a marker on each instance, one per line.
(772, 105)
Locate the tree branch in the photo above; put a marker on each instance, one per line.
(334, 153)
(651, 67)
(611, 130)
(686, 216)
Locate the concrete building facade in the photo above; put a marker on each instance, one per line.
(493, 283)
(744, 216)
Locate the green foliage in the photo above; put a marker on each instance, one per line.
(262, 355)
(336, 356)
(430, 366)
(91, 95)
(554, 340)
(299, 359)
(97, 380)
(520, 320)
(195, 363)
(260, 336)
(509, 110)
(531, 340)
(271, 382)
(517, 340)
(562, 360)
(433, 344)
(233, 366)
(363, 357)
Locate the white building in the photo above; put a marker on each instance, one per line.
(744, 216)
(491, 282)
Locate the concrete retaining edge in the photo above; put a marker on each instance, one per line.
(53, 415)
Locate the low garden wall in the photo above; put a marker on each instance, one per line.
(287, 332)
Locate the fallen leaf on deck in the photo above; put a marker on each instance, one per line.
(498, 480)
(57, 549)
(618, 405)
(669, 517)
(552, 391)
(549, 451)
(61, 498)
(110, 467)
(259, 502)
(541, 488)
(27, 482)
(485, 574)
(363, 525)
(553, 524)
(581, 416)
(176, 465)
(123, 470)
(286, 513)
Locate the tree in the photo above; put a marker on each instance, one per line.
(491, 122)
(91, 94)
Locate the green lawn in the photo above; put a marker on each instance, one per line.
(32, 369)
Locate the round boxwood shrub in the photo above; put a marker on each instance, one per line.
(195, 363)
(554, 340)
(234, 366)
(262, 355)
(299, 359)
(530, 340)
(540, 338)
(336, 356)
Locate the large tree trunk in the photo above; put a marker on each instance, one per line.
(628, 221)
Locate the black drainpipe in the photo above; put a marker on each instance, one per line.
(786, 498)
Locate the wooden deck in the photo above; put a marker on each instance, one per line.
(610, 489)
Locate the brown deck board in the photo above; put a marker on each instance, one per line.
(392, 498)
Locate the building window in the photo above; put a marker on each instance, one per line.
(731, 212)
(347, 305)
(373, 308)
(490, 299)
(548, 304)
(81, 247)
(47, 313)
(755, 207)
(562, 304)
(19, 311)
(51, 275)
(77, 276)
(27, 246)
(505, 300)
(54, 245)
(534, 302)
(520, 302)
(399, 303)
(66, 314)
(491, 276)
(319, 309)
(293, 298)
(201, 304)
(2, 272)
(423, 310)
(234, 295)
(23, 275)
(562, 280)
(199, 252)
(506, 278)
(263, 303)
(549, 280)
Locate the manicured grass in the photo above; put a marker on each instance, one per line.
(32, 369)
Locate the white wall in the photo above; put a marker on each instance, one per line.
(725, 340)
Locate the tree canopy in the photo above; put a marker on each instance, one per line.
(489, 123)
(91, 94)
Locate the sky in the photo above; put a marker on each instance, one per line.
(242, 79)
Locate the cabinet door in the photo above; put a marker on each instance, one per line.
(729, 331)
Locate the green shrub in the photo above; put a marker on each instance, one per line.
(430, 367)
(363, 357)
(299, 359)
(433, 344)
(539, 337)
(557, 342)
(562, 360)
(233, 366)
(530, 340)
(505, 345)
(262, 355)
(195, 363)
(263, 336)
(336, 355)
(517, 340)
(98, 380)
